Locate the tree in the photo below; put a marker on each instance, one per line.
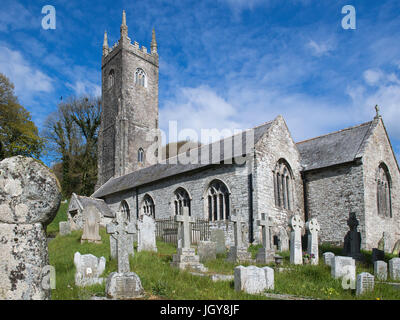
(18, 134)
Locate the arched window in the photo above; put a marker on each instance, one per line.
(124, 208)
(384, 201)
(140, 155)
(148, 207)
(181, 200)
(283, 186)
(111, 79)
(217, 201)
(140, 78)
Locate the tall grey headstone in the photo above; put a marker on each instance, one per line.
(147, 234)
(253, 280)
(328, 256)
(394, 268)
(218, 236)
(297, 224)
(283, 244)
(91, 225)
(313, 228)
(238, 252)
(30, 196)
(266, 253)
(65, 228)
(207, 250)
(88, 269)
(380, 270)
(365, 283)
(123, 284)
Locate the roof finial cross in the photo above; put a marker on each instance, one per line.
(377, 111)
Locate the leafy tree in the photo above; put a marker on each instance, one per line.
(18, 134)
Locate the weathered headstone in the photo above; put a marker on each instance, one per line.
(253, 280)
(91, 225)
(265, 254)
(65, 228)
(394, 268)
(381, 242)
(218, 236)
(88, 269)
(297, 224)
(352, 240)
(30, 196)
(313, 228)
(380, 270)
(365, 283)
(147, 234)
(283, 243)
(328, 257)
(342, 266)
(396, 248)
(123, 284)
(186, 256)
(238, 252)
(207, 250)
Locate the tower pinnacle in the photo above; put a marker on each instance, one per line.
(153, 42)
(124, 27)
(105, 44)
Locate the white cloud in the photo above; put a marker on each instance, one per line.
(320, 48)
(372, 76)
(83, 87)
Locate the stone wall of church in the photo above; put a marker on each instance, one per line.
(275, 145)
(378, 150)
(331, 193)
(196, 184)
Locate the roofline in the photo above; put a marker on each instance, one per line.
(354, 161)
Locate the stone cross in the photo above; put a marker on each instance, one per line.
(185, 220)
(295, 244)
(237, 220)
(121, 229)
(313, 228)
(265, 224)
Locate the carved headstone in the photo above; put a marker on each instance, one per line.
(365, 283)
(352, 240)
(147, 234)
(266, 253)
(207, 250)
(380, 270)
(297, 224)
(328, 257)
(313, 228)
(65, 228)
(91, 225)
(253, 280)
(283, 243)
(30, 196)
(342, 266)
(394, 268)
(88, 269)
(238, 252)
(218, 236)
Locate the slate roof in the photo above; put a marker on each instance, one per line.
(98, 203)
(334, 148)
(173, 166)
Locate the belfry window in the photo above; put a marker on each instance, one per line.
(111, 79)
(140, 155)
(384, 201)
(283, 186)
(140, 78)
(217, 201)
(181, 200)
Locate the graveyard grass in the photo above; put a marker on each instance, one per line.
(160, 281)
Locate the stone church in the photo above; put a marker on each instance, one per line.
(261, 170)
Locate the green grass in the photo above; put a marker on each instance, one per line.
(53, 227)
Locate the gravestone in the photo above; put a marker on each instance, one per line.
(283, 243)
(65, 228)
(394, 268)
(297, 224)
(342, 266)
(352, 239)
(186, 256)
(380, 270)
(88, 269)
(238, 252)
(147, 234)
(313, 228)
(91, 225)
(123, 284)
(218, 236)
(381, 242)
(207, 250)
(30, 196)
(253, 280)
(396, 248)
(328, 257)
(377, 255)
(129, 241)
(365, 283)
(265, 254)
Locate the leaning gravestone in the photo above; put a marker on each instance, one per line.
(123, 284)
(297, 224)
(313, 228)
(207, 250)
(88, 269)
(238, 252)
(218, 236)
(380, 270)
(394, 268)
(328, 257)
(365, 283)
(265, 254)
(91, 225)
(147, 234)
(253, 280)
(30, 196)
(65, 228)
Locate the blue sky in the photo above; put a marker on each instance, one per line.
(223, 63)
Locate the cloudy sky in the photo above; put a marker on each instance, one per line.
(223, 63)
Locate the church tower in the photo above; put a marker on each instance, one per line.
(128, 136)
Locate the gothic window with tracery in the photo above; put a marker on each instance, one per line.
(181, 200)
(148, 207)
(124, 207)
(140, 155)
(384, 192)
(140, 78)
(283, 186)
(217, 201)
